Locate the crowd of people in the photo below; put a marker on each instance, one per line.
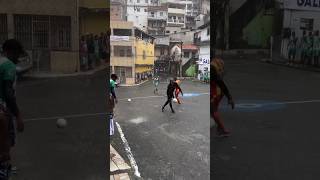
(308, 47)
(94, 50)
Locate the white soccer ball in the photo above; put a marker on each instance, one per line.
(129, 100)
(175, 100)
(61, 123)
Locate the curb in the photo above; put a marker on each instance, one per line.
(53, 75)
(310, 69)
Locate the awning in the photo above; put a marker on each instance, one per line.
(191, 47)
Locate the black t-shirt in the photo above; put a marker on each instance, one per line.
(171, 88)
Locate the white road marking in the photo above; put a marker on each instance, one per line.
(66, 116)
(128, 151)
(147, 97)
(104, 113)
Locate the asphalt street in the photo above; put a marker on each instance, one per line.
(275, 127)
(78, 151)
(165, 145)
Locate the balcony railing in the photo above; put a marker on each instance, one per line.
(175, 21)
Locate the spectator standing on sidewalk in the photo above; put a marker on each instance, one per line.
(83, 53)
(303, 47)
(292, 48)
(316, 48)
(102, 47)
(309, 52)
(96, 50)
(90, 45)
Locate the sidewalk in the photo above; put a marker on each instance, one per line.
(118, 167)
(57, 75)
(283, 62)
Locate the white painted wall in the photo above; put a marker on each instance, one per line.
(292, 20)
(138, 17)
(204, 35)
(204, 59)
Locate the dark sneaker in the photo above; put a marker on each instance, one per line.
(162, 109)
(173, 111)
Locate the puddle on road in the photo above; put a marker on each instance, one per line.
(138, 120)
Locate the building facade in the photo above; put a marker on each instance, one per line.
(192, 8)
(137, 12)
(176, 17)
(202, 40)
(117, 10)
(49, 31)
(93, 15)
(157, 20)
(298, 16)
(132, 52)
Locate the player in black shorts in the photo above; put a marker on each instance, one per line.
(170, 94)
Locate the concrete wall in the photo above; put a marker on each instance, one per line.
(41, 7)
(204, 35)
(149, 52)
(258, 31)
(139, 19)
(94, 3)
(116, 12)
(204, 58)
(94, 23)
(235, 5)
(64, 62)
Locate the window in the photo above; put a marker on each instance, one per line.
(147, 1)
(138, 9)
(3, 28)
(161, 13)
(121, 53)
(193, 54)
(168, 32)
(122, 32)
(152, 14)
(186, 54)
(161, 51)
(306, 24)
(51, 32)
(138, 1)
(129, 52)
(145, 10)
(128, 72)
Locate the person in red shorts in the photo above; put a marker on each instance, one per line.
(177, 90)
(218, 91)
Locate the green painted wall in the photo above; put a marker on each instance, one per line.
(191, 71)
(259, 30)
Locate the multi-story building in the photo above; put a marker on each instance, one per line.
(157, 20)
(137, 12)
(202, 40)
(132, 52)
(192, 8)
(176, 17)
(49, 31)
(117, 10)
